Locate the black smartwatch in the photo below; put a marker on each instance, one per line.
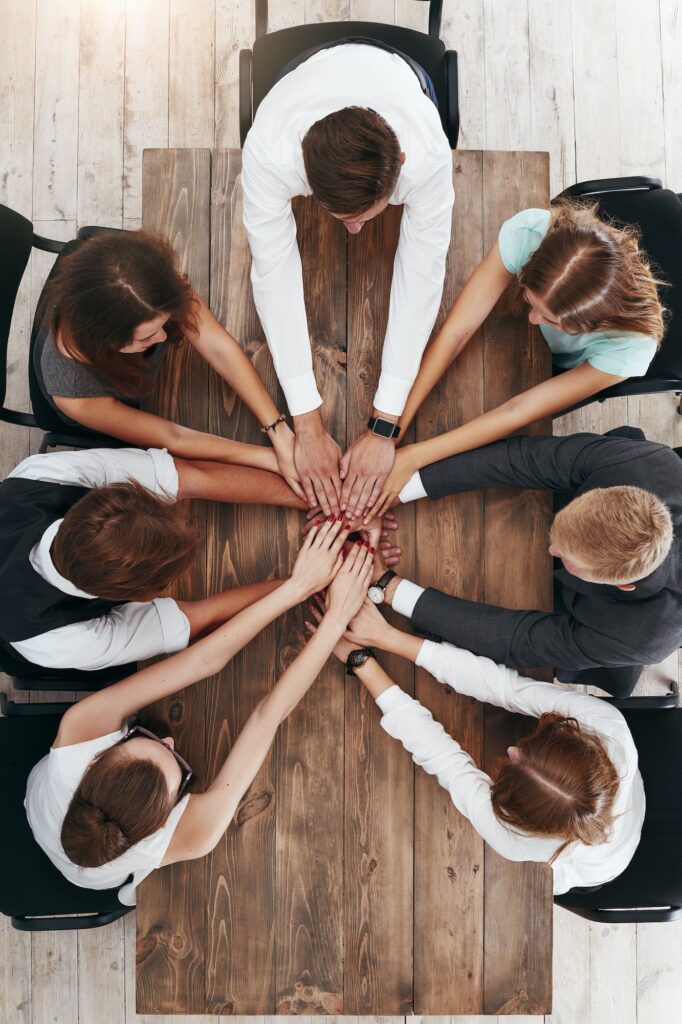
(377, 591)
(357, 658)
(382, 427)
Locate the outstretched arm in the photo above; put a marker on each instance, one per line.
(105, 711)
(208, 814)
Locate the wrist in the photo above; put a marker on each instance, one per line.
(391, 587)
(308, 424)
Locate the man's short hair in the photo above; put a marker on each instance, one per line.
(621, 534)
(352, 160)
(123, 543)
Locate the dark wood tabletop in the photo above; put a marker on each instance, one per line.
(347, 883)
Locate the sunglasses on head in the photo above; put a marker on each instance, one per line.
(187, 773)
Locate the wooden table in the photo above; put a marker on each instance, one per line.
(348, 883)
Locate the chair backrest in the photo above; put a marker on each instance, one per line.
(29, 883)
(16, 233)
(654, 875)
(273, 51)
(658, 214)
(35, 677)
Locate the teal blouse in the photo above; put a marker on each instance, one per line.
(623, 353)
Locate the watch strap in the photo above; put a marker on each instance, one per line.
(372, 422)
(384, 580)
(368, 653)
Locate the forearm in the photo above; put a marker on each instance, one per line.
(395, 641)
(194, 444)
(373, 678)
(239, 485)
(210, 612)
(438, 356)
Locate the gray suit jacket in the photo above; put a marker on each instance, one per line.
(594, 624)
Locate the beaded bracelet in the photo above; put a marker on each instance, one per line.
(273, 426)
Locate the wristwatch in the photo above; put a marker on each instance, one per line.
(357, 658)
(377, 591)
(382, 427)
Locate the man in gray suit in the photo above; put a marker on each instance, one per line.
(618, 593)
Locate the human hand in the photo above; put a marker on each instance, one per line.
(283, 442)
(316, 460)
(367, 628)
(349, 586)
(317, 609)
(320, 557)
(403, 468)
(377, 532)
(363, 469)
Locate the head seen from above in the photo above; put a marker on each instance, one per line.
(352, 160)
(119, 293)
(559, 782)
(612, 535)
(125, 795)
(588, 275)
(123, 543)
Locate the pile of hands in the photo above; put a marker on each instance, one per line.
(333, 574)
(363, 483)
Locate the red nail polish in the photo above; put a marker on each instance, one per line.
(371, 551)
(331, 519)
(359, 543)
(347, 526)
(318, 523)
(339, 518)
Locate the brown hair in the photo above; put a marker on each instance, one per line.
(352, 160)
(593, 276)
(109, 285)
(123, 543)
(621, 534)
(120, 800)
(564, 785)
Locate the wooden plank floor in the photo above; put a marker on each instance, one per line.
(87, 85)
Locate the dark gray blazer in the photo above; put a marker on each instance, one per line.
(594, 624)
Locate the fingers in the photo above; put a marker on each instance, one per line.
(363, 498)
(390, 555)
(296, 487)
(331, 497)
(326, 534)
(319, 496)
(354, 497)
(373, 496)
(348, 483)
(309, 491)
(343, 469)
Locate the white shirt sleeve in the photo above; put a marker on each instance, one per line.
(131, 632)
(469, 788)
(417, 286)
(405, 598)
(277, 277)
(98, 467)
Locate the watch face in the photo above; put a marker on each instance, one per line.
(376, 594)
(384, 428)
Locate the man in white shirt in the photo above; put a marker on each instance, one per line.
(89, 542)
(352, 126)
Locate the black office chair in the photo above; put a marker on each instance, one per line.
(657, 212)
(26, 676)
(33, 893)
(650, 888)
(259, 68)
(17, 239)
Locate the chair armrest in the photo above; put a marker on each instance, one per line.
(47, 244)
(666, 700)
(626, 915)
(12, 709)
(65, 924)
(587, 188)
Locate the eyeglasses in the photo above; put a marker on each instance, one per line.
(187, 773)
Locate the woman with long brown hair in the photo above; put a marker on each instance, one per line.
(109, 802)
(115, 304)
(591, 292)
(569, 793)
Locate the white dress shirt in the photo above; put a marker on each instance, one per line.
(273, 173)
(49, 791)
(130, 632)
(469, 787)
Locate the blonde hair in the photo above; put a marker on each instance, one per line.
(621, 534)
(594, 276)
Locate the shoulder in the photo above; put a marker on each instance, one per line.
(521, 235)
(67, 378)
(623, 353)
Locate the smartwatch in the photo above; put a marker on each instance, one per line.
(377, 591)
(382, 427)
(357, 658)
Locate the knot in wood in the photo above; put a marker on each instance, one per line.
(254, 806)
(176, 711)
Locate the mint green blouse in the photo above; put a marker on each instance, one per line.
(623, 353)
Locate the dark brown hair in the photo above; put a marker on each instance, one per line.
(105, 289)
(352, 160)
(594, 276)
(123, 543)
(120, 800)
(564, 785)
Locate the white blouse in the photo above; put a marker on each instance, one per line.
(49, 791)
(469, 787)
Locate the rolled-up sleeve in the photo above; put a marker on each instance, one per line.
(154, 468)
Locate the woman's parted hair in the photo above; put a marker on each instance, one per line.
(103, 290)
(352, 160)
(594, 276)
(123, 543)
(563, 786)
(120, 800)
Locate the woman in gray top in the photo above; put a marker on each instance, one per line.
(116, 301)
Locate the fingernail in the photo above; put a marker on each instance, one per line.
(318, 523)
(339, 518)
(371, 551)
(347, 526)
(331, 518)
(359, 543)
(366, 543)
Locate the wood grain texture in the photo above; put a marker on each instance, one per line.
(379, 775)
(518, 916)
(191, 73)
(170, 918)
(101, 982)
(448, 897)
